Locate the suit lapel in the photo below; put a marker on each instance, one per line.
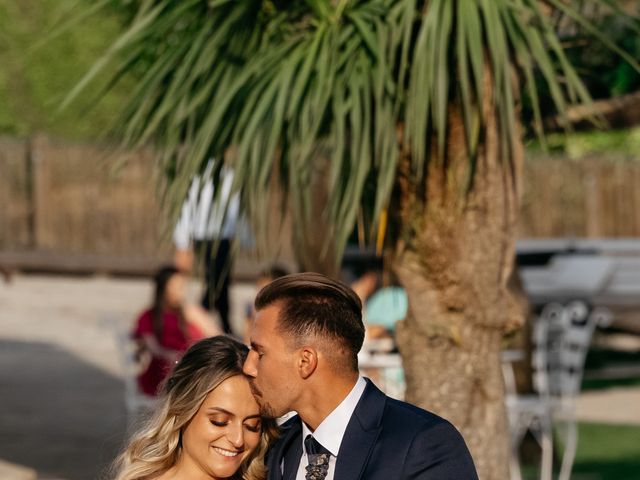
(286, 449)
(361, 434)
(292, 458)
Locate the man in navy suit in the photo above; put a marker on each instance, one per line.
(307, 333)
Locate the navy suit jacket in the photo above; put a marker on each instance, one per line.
(386, 439)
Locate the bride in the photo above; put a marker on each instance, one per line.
(207, 425)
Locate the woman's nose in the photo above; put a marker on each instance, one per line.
(235, 435)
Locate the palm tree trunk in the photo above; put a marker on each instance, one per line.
(312, 250)
(455, 265)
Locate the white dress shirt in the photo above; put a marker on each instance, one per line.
(331, 431)
(204, 215)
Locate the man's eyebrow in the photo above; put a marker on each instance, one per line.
(256, 346)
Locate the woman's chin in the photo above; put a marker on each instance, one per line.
(222, 464)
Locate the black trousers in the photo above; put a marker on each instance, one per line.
(217, 267)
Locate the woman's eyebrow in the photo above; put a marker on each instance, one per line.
(219, 410)
(222, 410)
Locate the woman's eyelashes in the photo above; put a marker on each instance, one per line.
(220, 419)
(252, 427)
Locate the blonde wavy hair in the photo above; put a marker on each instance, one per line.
(156, 447)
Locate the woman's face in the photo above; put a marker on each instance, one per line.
(224, 432)
(175, 290)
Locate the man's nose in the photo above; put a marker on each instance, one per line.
(249, 367)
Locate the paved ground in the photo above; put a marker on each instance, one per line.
(61, 390)
(614, 405)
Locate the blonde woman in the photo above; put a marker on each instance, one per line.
(208, 424)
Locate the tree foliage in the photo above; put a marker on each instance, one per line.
(38, 70)
(607, 75)
(277, 83)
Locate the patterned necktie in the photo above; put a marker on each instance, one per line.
(318, 459)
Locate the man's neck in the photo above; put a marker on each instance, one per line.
(322, 398)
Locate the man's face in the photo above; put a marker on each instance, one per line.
(271, 365)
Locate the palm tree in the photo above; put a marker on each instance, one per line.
(419, 97)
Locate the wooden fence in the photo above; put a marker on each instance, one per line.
(592, 197)
(63, 207)
(62, 202)
(66, 203)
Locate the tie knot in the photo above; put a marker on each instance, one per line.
(313, 447)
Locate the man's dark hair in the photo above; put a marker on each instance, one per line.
(314, 304)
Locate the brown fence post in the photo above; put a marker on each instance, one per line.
(37, 186)
(30, 168)
(592, 202)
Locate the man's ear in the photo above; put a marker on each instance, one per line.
(307, 361)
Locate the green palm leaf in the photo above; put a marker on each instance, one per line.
(273, 83)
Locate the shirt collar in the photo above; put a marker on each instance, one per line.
(331, 431)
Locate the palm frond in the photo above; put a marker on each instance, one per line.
(279, 83)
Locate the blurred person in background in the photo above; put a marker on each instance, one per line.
(384, 300)
(366, 283)
(169, 327)
(365, 286)
(207, 426)
(385, 307)
(208, 223)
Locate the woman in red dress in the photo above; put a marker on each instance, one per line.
(168, 328)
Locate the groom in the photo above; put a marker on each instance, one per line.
(307, 333)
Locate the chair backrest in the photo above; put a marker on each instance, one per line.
(385, 370)
(561, 338)
(130, 368)
(135, 401)
(551, 314)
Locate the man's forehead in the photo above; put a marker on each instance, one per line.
(264, 324)
(267, 316)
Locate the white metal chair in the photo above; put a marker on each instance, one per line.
(565, 377)
(561, 338)
(532, 412)
(136, 402)
(383, 368)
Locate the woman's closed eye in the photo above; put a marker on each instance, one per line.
(220, 419)
(253, 426)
